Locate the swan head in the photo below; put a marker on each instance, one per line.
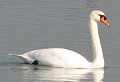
(99, 16)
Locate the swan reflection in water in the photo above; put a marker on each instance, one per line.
(40, 73)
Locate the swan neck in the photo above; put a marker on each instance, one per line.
(98, 60)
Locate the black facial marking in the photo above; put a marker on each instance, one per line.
(105, 18)
(35, 62)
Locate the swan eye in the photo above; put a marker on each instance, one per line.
(103, 16)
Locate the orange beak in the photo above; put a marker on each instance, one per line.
(104, 21)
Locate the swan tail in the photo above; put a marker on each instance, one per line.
(16, 55)
(26, 59)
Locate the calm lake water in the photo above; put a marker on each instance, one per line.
(27, 25)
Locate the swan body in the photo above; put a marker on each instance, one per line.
(60, 57)
(56, 57)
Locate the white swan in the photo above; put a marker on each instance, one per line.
(59, 57)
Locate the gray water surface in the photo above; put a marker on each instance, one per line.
(27, 25)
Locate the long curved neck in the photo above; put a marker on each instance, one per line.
(98, 60)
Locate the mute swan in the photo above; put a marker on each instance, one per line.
(60, 57)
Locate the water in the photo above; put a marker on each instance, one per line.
(27, 25)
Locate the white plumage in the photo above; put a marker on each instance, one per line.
(60, 57)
